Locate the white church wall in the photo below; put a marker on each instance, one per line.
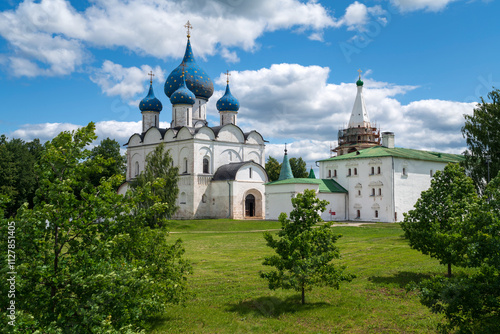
(336, 209)
(410, 182)
(231, 133)
(152, 136)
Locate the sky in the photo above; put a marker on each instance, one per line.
(293, 65)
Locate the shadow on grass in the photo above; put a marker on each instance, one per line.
(272, 306)
(401, 279)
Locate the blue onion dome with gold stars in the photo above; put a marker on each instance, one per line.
(150, 102)
(196, 79)
(182, 95)
(228, 102)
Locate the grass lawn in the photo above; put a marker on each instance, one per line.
(230, 297)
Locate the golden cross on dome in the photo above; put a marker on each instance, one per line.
(151, 76)
(227, 76)
(359, 71)
(188, 26)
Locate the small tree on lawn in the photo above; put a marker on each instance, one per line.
(303, 253)
(432, 226)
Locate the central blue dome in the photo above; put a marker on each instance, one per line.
(228, 102)
(196, 79)
(150, 102)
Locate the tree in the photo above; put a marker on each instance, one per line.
(303, 252)
(18, 180)
(430, 227)
(273, 168)
(471, 303)
(483, 140)
(159, 164)
(86, 260)
(298, 166)
(111, 162)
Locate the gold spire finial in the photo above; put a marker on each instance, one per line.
(359, 71)
(227, 76)
(151, 77)
(189, 27)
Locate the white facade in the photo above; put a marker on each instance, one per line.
(279, 199)
(382, 188)
(199, 153)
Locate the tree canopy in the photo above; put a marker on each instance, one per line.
(110, 162)
(18, 180)
(483, 140)
(159, 164)
(273, 168)
(471, 303)
(85, 255)
(430, 226)
(304, 251)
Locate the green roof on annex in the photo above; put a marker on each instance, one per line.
(325, 185)
(405, 153)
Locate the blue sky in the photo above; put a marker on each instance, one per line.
(294, 63)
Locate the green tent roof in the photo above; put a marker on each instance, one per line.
(286, 169)
(405, 153)
(311, 174)
(325, 185)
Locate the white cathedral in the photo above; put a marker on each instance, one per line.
(221, 167)
(221, 173)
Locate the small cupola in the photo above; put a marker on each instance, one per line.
(228, 105)
(150, 108)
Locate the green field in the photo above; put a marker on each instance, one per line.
(229, 297)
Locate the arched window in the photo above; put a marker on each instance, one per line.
(335, 173)
(404, 171)
(373, 191)
(376, 213)
(204, 198)
(349, 172)
(359, 192)
(378, 170)
(136, 168)
(250, 172)
(373, 170)
(358, 214)
(185, 165)
(329, 173)
(183, 198)
(355, 171)
(206, 166)
(380, 191)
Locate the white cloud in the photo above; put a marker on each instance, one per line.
(413, 5)
(52, 38)
(291, 103)
(358, 15)
(126, 82)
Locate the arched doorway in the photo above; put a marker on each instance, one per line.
(250, 206)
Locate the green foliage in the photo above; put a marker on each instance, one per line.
(107, 161)
(303, 253)
(471, 303)
(432, 226)
(298, 166)
(18, 180)
(159, 165)
(86, 260)
(273, 168)
(483, 138)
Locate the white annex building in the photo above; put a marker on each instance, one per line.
(368, 180)
(221, 173)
